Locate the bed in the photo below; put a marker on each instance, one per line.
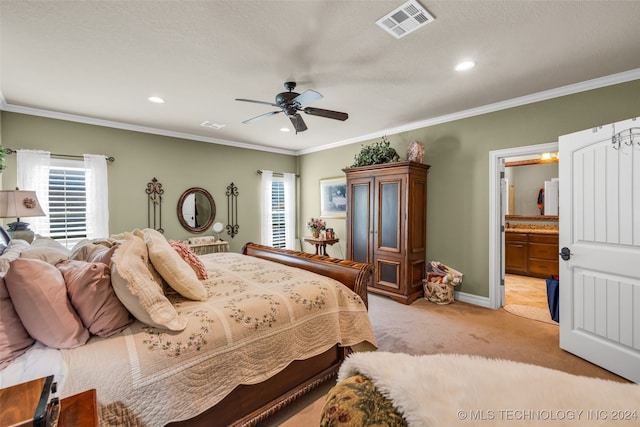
(399, 390)
(271, 326)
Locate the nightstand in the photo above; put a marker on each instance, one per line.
(79, 410)
(18, 406)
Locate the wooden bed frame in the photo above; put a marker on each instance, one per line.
(247, 405)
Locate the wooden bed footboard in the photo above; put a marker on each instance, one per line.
(354, 275)
(247, 405)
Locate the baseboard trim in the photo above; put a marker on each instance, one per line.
(472, 299)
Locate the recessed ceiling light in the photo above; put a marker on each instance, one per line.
(156, 99)
(465, 65)
(285, 130)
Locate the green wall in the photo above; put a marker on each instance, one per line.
(178, 164)
(458, 182)
(458, 152)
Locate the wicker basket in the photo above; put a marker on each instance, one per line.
(438, 293)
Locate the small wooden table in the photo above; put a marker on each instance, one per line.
(321, 244)
(208, 248)
(18, 405)
(79, 410)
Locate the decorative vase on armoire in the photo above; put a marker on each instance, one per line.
(387, 225)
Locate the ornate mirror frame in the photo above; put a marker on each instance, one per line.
(207, 196)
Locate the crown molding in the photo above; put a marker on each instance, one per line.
(597, 83)
(131, 127)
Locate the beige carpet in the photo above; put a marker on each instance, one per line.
(427, 328)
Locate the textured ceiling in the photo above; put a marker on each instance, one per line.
(102, 59)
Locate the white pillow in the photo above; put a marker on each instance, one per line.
(176, 271)
(136, 288)
(47, 250)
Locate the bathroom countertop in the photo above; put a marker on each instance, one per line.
(531, 231)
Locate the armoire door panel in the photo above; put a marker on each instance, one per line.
(360, 224)
(388, 274)
(388, 214)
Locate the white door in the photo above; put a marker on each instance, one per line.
(600, 228)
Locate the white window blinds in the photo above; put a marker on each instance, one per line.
(67, 201)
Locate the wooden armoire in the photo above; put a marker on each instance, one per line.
(387, 225)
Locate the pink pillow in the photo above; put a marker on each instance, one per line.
(40, 299)
(89, 288)
(192, 259)
(102, 254)
(14, 338)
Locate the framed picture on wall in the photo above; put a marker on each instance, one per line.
(333, 197)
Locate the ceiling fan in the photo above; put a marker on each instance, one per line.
(290, 103)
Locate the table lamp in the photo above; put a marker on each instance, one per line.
(19, 204)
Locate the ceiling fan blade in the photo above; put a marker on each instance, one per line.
(298, 123)
(261, 116)
(307, 97)
(257, 102)
(337, 115)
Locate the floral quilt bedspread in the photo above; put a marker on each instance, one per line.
(259, 317)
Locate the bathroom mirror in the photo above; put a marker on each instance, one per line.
(196, 210)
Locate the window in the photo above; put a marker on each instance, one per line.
(67, 201)
(73, 193)
(278, 210)
(278, 229)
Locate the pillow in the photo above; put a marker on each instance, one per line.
(82, 250)
(14, 338)
(89, 289)
(178, 274)
(12, 252)
(102, 254)
(190, 258)
(40, 298)
(46, 249)
(135, 287)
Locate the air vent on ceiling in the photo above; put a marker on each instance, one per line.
(212, 125)
(405, 19)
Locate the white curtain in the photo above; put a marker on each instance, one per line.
(33, 175)
(267, 224)
(290, 210)
(95, 167)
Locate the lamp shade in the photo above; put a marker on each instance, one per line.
(19, 204)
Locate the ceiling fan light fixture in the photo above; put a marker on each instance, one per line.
(155, 100)
(465, 65)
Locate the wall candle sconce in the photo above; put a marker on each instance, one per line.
(154, 192)
(232, 210)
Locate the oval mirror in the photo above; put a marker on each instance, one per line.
(196, 209)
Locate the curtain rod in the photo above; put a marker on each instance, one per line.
(66, 156)
(279, 174)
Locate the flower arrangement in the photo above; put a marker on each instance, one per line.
(316, 225)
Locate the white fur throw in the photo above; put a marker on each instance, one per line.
(460, 390)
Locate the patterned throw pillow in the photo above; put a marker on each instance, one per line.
(192, 259)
